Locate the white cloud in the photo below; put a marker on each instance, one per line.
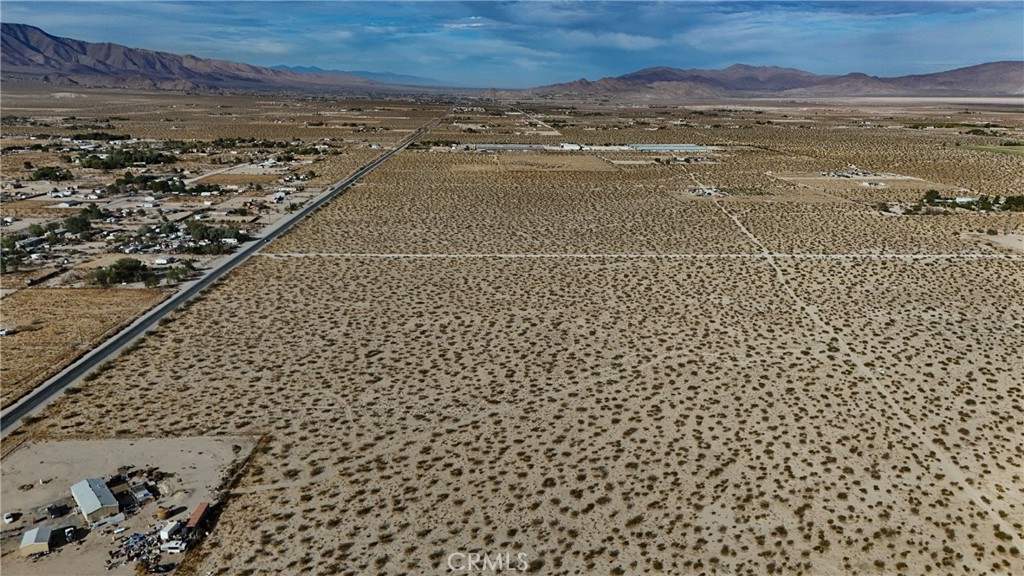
(620, 40)
(269, 47)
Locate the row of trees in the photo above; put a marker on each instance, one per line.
(50, 173)
(126, 158)
(214, 236)
(128, 270)
(102, 136)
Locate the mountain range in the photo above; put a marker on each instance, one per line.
(29, 52)
(739, 80)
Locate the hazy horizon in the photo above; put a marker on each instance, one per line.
(523, 44)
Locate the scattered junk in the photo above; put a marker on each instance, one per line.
(172, 537)
(135, 548)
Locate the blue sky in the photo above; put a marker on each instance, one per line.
(520, 44)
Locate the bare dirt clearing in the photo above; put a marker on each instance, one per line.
(192, 468)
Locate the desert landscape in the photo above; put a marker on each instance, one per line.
(791, 346)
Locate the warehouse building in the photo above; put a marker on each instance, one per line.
(94, 499)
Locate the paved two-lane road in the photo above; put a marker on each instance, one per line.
(35, 400)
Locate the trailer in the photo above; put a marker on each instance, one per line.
(168, 531)
(197, 517)
(174, 546)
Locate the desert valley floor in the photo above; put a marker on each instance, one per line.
(610, 362)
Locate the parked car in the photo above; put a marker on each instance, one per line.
(9, 517)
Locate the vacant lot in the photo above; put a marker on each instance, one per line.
(56, 325)
(605, 373)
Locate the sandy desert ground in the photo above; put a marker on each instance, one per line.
(56, 325)
(580, 361)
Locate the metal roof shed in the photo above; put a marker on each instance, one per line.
(94, 499)
(36, 541)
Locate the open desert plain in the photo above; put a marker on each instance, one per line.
(786, 341)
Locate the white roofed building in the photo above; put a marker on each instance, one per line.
(94, 499)
(36, 541)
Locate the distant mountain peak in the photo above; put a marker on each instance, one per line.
(29, 52)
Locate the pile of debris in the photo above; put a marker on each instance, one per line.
(136, 548)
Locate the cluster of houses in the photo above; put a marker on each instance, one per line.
(71, 191)
(176, 242)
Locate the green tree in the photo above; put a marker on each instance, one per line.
(12, 263)
(8, 243)
(1014, 203)
(167, 227)
(123, 270)
(77, 224)
(92, 212)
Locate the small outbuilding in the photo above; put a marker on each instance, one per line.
(36, 541)
(94, 499)
(141, 494)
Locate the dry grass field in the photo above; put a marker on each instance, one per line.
(56, 325)
(580, 361)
